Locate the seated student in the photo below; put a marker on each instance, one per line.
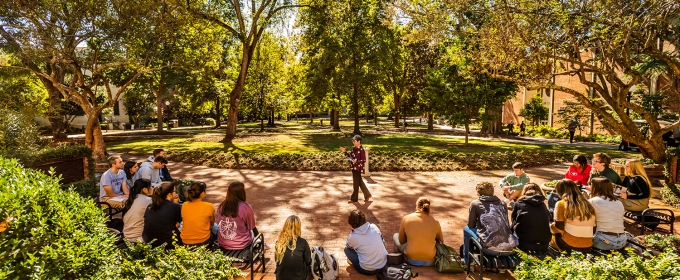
(112, 186)
(130, 169)
(610, 233)
(151, 171)
(513, 183)
(235, 219)
(293, 256)
(531, 220)
(162, 216)
(165, 174)
(601, 168)
(574, 219)
(133, 220)
(418, 233)
(197, 216)
(579, 171)
(636, 198)
(488, 222)
(365, 247)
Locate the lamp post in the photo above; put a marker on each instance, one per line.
(165, 112)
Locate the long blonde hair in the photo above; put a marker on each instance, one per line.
(638, 169)
(287, 238)
(576, 205)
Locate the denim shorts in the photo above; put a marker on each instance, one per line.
(609, 242)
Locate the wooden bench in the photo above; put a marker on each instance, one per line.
(651, 218)
(251, 254)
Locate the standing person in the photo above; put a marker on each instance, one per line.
(610, 233)
(488, 222)
(293, 256)
(513, 183)
(235, 219)
(531, 220)
(112, 185)
(198, 217)
(579, 171)
(358, 158)
(365, 247)
(601, 168)
(418, 234)
(574, 219)
(133, 221)
(522, 128)
(636, 198)
(572, 130)
(162, 216)
(130, 169)
(511, 127)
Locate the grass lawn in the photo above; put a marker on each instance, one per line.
(306, 142)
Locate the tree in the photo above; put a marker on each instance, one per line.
(82, 48)
(607, 45)
(20, 90)
(246, 21)
(573, 111)
(138, 102)
(534, 110)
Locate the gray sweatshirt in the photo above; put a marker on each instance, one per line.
(368, 243)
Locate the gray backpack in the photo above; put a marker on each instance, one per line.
(324, 265)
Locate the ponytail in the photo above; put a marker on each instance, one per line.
(423, 205)
(135, 190)
(161, 193)
(195, 191)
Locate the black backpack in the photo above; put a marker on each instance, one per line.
(396, 272)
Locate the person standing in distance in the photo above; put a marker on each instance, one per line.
(357, 158)
(572, 130)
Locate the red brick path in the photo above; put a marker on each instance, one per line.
(320, 200)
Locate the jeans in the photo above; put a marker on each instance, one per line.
(609, 242)
(359, 183)
(467, 233)
(353, 257)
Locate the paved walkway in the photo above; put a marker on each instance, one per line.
(320, 200)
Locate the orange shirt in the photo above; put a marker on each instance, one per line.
(196, 216)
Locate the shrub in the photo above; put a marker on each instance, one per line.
(86, 188)
(614, 266)
(210, 121)
(50, 233)
(18, 133)
(181, 190)
(61, 152)
(140, 261)
(670, 194)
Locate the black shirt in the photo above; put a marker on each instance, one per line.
(295, 265)
(637, 187)
(161, 224)
(531, 223)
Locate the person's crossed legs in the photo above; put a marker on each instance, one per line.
(353, 258)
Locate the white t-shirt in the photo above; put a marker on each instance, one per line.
(609, 214)
(134, 219)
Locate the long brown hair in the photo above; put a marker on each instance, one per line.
(195, 190)
(601, 186)
(531, 189)
(236, 192)
(161, 193)
(576, 205)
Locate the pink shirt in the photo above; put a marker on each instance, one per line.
(576, 175)
(234, 232)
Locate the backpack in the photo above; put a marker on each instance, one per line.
(396, 272)
(553, 198)
(324, 265)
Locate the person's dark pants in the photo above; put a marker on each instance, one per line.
(353, 257)
(359, 183)
(571, 136)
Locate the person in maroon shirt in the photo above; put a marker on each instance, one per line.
(357, 158)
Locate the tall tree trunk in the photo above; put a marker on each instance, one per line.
(397, 104)
(467, 130)
(218, 112)
(336, 125)
(159, 101)
(94, 139)
(271, 117)
(54, 113)
(332, 117)
(355, 106)
(375, 116)
(494, 125)
(235, 95)
(430, 121)
(653, 148)
(311, 116)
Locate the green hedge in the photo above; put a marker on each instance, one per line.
(49, 233)
(614, 266)
(378, 160)
(563, 133)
